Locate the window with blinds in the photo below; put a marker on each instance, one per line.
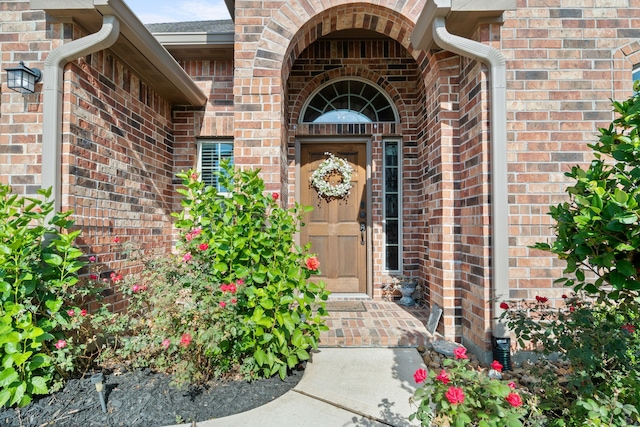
(211, 153)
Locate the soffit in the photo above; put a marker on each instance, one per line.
(135, 46)
(462, 18)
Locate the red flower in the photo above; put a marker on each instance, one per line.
(275, 196)
(420, 375)
(72, 313)
(564, 296)
(93, 277)
(188, 237)
(196, 231)
(497, 366)
(83, 312)
(185, 340)
(61, 344)
(514, 399)
(239, 282)
(512, 385)
(629, 328)
(186, 257)
(312, 263)
(460, 353)
(454, 395)
(135, 288)
(116, 240)
(92, 259)
(232, 288)
(504, 306)
(443, 377)
(572, 308)
(224, 288)
(223, 304)
(233, 300)
(204, 246)
(541, 299)
(115, 277)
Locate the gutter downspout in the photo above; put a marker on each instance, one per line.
(53, 94)
(499, 189)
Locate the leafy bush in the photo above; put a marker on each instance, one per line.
(38, 287)
(462, 396)
(601, 348)
(237, 293)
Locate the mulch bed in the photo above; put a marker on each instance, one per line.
(145, 398)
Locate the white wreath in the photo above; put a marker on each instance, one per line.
(319, 178)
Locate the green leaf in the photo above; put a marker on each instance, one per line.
(53, 304)
(626, 267)
(260, 357)
(5, 395)
(39, 385)
(18, 393)
(8, 376)
(52, 259)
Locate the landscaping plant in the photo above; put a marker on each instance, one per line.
(39, 289)
(460, 395)
(237, 294)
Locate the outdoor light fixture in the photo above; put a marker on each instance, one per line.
(23, 79)
(97, 380)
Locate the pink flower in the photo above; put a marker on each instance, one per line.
(223, 304)
(166, 343)
(512, 385)
(204, 246)
(420, 375)
(196, 231)
(504, 306)
(233, 300)
(514, 399)
(115, 277)
(541, 299)
(92, 259)
(460, 353)
(312, 263)
(194, 176)
(135, 288)
(116, 240)
(71, 313)
(232, 288)
(185, 340)
(224, 288)
(239, 282)
(497, 366)
(454, 395)
(275, 196)
(61, 344)
(443, 377)
(188, 237)
(629, 328)
(187, 257)
(83, 312)
(93, 277)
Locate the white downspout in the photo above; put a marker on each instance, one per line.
(53, 93)
(499, 189)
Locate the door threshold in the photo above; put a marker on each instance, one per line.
(339, 296)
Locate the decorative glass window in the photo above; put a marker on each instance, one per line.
(348, 101)
(210, 154)
(392, 211)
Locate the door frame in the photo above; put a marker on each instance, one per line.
(299, 141)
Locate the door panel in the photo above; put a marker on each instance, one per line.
(333, 227)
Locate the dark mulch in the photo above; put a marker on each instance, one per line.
(145, 398)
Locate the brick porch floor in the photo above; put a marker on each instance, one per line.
(384, 324)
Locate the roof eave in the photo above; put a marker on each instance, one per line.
(136, 46)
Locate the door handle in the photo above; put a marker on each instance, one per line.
(363, 229)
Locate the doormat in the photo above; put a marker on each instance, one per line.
(345, 306)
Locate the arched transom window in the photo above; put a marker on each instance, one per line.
(348, 101)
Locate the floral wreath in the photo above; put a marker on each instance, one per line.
(319, 178)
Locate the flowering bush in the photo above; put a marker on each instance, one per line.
(237, 294)
(39, 289)
(462, 396)
(598, 343)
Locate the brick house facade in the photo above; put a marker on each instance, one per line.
(475, 113)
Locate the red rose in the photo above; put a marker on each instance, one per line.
(83, 312)
(504, 306)
(223, 304)
(275, 196)
(420, 375)
(497, 366)
(443, 377)
(541, 299)
(312, 263)
(116, 240)
(564, 296)
(629, 328)
(455, 395)
(460, 353)
(185, 340)
(204, 246)
(514, 399)
(512, 385)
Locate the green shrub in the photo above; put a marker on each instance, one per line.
(236, 294)
(38, 287)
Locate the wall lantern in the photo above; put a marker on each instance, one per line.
(23, 79)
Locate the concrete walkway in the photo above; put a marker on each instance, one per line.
(341, 387)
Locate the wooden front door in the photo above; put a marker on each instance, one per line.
(337, 229)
